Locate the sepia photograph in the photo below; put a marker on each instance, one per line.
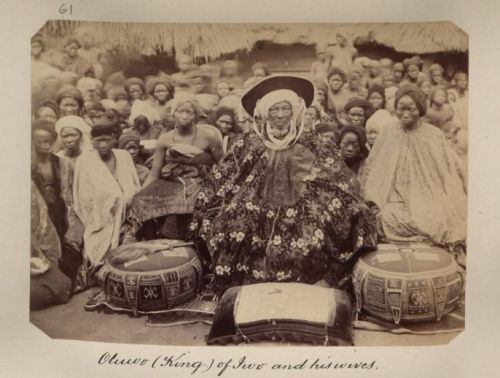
(262, 184)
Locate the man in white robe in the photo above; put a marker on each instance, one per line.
(104, 184)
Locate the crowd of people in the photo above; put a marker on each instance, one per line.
(276, 178)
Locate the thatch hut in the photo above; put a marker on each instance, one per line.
(285, 47)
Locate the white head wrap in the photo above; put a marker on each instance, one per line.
(79, 124)
(261, 114)
(88, 83)
(379, 120)
(142, 108)
(109, 104)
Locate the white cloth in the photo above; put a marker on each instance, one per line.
(413, 177)
(379, 120)
(109, 104)
(262, 126)
(89, 84)
(101, 200)
(142, 108)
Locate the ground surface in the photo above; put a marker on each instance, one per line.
(71, 321)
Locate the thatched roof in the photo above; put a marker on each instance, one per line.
(210, 41)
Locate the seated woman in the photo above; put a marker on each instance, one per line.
(183, 156)
(410, 174)
(282, 206)
(48, 285)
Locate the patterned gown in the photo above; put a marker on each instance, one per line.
(290, 215)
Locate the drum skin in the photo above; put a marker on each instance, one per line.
(407, 283)
(151, 277)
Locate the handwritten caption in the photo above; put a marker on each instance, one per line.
(196, 366)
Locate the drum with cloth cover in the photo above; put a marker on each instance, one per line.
(151, 276)
(407, 283)
(279, 311)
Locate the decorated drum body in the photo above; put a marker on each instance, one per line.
(152, 276)
(408, 283)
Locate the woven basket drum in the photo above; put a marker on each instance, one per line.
(151, 277)
(407, 283)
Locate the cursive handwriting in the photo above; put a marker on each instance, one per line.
(221, 367)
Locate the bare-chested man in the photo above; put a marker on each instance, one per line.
(182, 158)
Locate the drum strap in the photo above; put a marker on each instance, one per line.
(235, 316)
(440, 288)
(358, 280)
(199, 273)
(165, 291)
(105, 285)
(131, 284)
(394, 290)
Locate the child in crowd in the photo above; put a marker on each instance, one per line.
(353, 86)
(413, 68)
(131, 142)
(426, 87)
(353, 146)
(47, 111)
(436, 74)
(450, 130)
(398, 70)
(439, 111)
(160, 91)
(311, 117)
(223, 88)
(327, 133)
(374, 74)
(135, 88)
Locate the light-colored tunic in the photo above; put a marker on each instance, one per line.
(101, 200)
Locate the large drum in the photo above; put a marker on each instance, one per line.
(151, 277)
(407, 283)
(283, 312)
